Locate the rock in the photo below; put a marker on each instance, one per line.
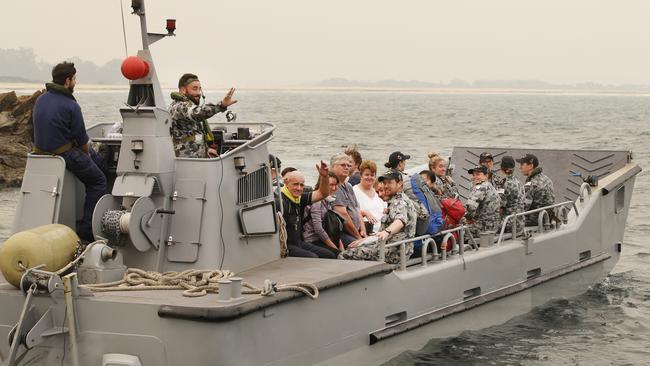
(7, 101)
(16, 136)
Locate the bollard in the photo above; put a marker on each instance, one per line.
(225, 291)
(235, 290)
(486, 238)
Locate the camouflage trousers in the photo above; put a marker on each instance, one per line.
(370, 252)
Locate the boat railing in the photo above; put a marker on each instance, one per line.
(447, 237)
(544, 219)
(458, 241)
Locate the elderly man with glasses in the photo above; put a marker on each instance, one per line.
(345, 202)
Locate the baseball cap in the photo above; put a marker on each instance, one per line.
(485, 156)
(396, 157)
(478, 169)
(529, 159)
(507, 162)
(390, 174)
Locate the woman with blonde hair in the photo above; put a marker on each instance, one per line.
(446, 185)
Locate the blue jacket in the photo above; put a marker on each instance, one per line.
(58, 120)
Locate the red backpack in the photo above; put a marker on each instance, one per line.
(453, 211)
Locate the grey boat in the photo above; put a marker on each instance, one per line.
(176, 214)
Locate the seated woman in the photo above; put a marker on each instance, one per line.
(313, 230)
(446, 185)
(372, 206)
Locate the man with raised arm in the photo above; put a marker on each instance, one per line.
(294, 201)
(59, 129)
(190, 129)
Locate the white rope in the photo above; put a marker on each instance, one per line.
(194, 283)
(282, 233)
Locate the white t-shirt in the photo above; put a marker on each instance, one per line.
(375, 205)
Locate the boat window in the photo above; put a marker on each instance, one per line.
(620, 199)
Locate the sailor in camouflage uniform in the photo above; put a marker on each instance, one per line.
(483, 203)
(397, 224)
(190, 130)
(487, 160)
(538, 186)
(512, 193)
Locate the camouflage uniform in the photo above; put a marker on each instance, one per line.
(483, 206)
(512, 200)
(539, 193)
(190, 129)
(496, 179)
(400, 208)
(447, 187)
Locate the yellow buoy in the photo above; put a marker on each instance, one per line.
(53, 245)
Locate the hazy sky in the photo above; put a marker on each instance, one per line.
(268, 43)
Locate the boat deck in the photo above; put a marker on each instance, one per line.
(324, 273)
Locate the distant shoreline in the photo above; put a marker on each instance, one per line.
(29, 88)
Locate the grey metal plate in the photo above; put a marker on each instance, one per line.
(186, 222)
(555, 163)
(38, 200)
(143, 207)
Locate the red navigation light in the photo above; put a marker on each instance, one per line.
(134, 68)
(171, 26)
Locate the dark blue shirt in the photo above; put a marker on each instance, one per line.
(58, 121)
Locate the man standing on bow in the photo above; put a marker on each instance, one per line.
(190, 130)
(59, 129)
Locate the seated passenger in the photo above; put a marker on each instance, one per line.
(190, 130)
(512, 194)
(294, 201)
(59, 129)
(315, 232)
(379, 188)
(538, 187)
(369, 200)
(446, 185)
(430, 179)
(355, 173)
(483, 203)
(345, 202)
(487, 161)
(398, 224)
(397, 161)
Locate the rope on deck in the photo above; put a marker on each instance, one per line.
(194, 283)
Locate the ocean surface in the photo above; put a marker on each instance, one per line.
(607, 325)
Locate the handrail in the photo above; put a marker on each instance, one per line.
(512, 216)
(543, 221)
(425, 244)
(583, 187)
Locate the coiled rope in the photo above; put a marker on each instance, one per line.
(194, 283)
(282, 233)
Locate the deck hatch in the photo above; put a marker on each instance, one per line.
(395, 318)
(533, 273)
(473, 292)
(253, 186)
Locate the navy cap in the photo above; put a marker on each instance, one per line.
(478, 169)
(485, 156)
(396, 157)
(507, 162)
(390, 174)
